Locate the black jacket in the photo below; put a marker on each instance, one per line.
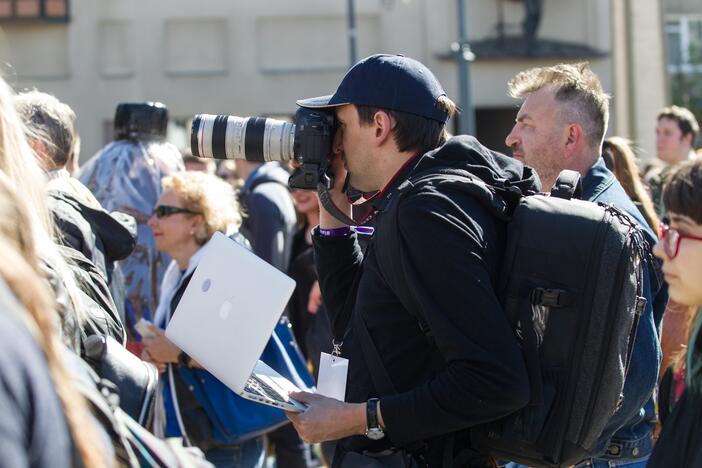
(448, 256)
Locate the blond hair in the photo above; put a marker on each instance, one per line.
(19, 163)
(20, 271)
(209, 196)
(577, 89)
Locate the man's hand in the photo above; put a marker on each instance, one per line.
(159, 348)
(336, 193)
(327, 418)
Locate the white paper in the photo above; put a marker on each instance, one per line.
(332, 376)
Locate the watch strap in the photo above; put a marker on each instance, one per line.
(372, 414)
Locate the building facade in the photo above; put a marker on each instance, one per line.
(257, 58)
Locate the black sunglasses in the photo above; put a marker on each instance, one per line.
(162, 211)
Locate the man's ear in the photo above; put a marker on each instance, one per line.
(383, 124)
(574, 139)
(687, 139)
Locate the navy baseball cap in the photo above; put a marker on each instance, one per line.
(387, 81)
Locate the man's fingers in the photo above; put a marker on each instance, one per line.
(304, 397)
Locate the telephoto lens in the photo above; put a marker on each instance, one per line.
(257, 139)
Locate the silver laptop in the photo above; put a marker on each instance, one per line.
(226, 316)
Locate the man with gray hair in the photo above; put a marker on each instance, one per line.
(561, 125)
(101, 237)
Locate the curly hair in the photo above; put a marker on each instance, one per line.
(209, 196)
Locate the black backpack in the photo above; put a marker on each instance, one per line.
(571, 286)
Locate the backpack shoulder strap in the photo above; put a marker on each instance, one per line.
(568, 185)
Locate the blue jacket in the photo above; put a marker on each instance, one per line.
(628, 433)
(270, 218)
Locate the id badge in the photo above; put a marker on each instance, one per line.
(331, 381)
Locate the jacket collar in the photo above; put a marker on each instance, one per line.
(597, 180)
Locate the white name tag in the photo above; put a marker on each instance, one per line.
(332, 376)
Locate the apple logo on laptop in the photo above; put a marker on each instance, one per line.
(225, 309)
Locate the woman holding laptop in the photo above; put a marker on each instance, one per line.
(192, 207)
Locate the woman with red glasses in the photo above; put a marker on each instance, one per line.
(680, 248)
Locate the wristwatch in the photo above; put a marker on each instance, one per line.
(373, 429)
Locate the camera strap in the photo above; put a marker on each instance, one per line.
(328, 204)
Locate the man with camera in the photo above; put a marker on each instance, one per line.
(428, 306)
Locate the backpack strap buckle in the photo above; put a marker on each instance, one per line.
(549, 297)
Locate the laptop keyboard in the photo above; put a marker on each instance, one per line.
(259, 387)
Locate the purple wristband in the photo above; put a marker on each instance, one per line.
(336, 232)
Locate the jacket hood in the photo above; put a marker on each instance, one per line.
(464, 152)
(268, 172)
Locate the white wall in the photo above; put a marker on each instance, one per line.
(248, 58)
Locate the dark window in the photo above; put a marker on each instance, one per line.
(493, 124)
(42, 10)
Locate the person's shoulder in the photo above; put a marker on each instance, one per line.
(439, 203)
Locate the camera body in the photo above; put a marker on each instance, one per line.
(314, 135)
(308, 141)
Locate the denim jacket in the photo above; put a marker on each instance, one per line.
(628, 432)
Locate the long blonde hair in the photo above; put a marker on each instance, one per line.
(20, 164)
(20, 271)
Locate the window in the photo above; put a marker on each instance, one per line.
(684, 45)
(43, 10)
(684, 38)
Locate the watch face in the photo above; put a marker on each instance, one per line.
(375, 433)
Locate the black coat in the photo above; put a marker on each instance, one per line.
(447, 257)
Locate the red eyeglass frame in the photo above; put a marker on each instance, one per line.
(665, 230)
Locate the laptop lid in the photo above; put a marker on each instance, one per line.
(229, 310)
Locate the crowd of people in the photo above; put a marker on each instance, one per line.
(107, 249)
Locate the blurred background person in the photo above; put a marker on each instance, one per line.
(680, 248)
(269, 213)
(309, 319)
(269, 225)
(227, 172)
(619, 158)
(193, 163)
(126, 176)
(19, 163)
(44, 422)
(676, 132)
(192, 207)
(84, 225)
(619, 153)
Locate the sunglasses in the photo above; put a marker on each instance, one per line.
(163, 211)
(670, 239)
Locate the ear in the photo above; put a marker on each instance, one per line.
(383, 125)
(688, 139)
(197, 220)
(574, 140)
